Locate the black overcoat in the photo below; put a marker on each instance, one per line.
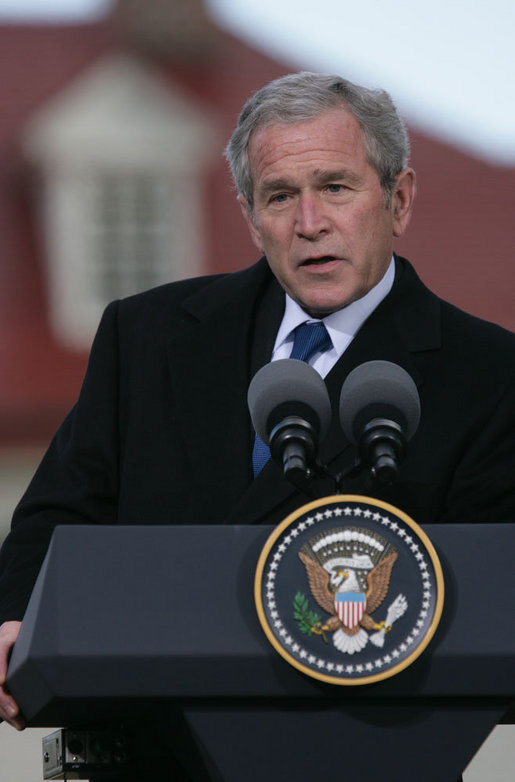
(161, 432)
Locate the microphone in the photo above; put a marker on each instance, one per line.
(291, 412)
(380, 412)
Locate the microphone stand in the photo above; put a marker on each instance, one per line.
(385, 472)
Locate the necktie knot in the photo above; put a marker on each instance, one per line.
(310, 338)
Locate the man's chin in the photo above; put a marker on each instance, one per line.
(321, 309)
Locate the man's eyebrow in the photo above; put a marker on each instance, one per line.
(275, 184)
(336, 175)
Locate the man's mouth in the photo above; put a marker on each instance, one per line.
(319, 261)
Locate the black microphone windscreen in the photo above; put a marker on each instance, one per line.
(292, 387)
(378, 389)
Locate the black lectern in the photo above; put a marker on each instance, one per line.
(124, 617)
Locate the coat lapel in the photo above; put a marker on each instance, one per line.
(387, 335)
(209, 359)
(404, 325)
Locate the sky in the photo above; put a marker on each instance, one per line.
(449, 64)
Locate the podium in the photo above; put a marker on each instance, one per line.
(124, 618)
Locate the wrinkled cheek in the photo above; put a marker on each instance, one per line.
(277, 252)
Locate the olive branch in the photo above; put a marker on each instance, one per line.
(308, 621)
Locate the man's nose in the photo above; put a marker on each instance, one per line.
(311, 218)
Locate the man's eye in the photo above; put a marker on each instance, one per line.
(279, 198)
(335, 188)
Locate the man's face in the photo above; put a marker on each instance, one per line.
(319, 211)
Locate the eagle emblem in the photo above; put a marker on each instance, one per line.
(348, 571)
(349, 590)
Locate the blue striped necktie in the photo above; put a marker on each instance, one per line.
(310, 338)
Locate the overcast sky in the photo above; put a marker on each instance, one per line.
(450, 64)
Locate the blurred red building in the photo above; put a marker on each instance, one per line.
(112, 180)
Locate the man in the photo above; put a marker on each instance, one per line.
(161, 433)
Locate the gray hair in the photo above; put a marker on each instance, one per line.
(302, 96)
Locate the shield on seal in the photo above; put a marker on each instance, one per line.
(350, 607)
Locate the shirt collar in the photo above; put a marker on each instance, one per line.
(341, 325)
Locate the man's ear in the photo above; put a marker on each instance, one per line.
(249, 219)
(403, 198)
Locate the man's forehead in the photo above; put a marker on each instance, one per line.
(337, 127)
(340, 115)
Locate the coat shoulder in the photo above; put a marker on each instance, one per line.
(193, 298)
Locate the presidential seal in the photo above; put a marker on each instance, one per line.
(349, 590)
